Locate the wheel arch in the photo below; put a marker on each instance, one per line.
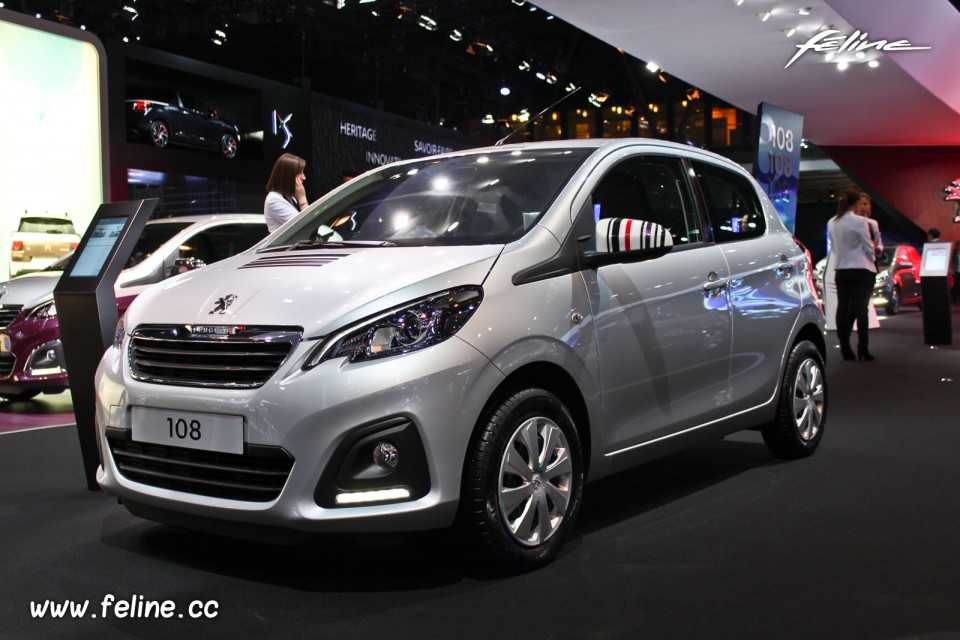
(552, 378)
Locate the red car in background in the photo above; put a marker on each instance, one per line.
(31, 355)
(898, 278)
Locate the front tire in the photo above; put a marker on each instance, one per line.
(893, 307)
(523, 483)
(802, 412)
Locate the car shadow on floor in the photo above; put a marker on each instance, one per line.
(426, 560)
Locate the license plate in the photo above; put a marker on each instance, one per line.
(189, 429)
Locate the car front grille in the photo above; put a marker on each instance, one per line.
(8, 313)
(7, 361)
(257, 475)
(210, 355)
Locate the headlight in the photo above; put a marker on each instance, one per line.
(883, 276)
(44, 311)
(119, 334)
(413, 326)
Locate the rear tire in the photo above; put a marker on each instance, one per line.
(228, 145)
(159, 133)
(523, 483)
(802, 412)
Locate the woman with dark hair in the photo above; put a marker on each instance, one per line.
(286, 196)
(852, 249)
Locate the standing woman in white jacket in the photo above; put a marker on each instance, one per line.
(286, 196)
(854, 252)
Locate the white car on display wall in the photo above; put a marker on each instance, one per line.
(466, 339)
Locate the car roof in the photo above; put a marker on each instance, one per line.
(213, 217)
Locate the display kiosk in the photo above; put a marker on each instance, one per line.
(935, 289)
(87, 309)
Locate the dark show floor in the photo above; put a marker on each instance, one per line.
(862, 540)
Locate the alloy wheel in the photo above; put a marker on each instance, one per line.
(535, 481)
(808, 399)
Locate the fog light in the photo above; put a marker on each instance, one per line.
(386, 456)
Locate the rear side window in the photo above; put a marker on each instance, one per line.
(732, 203)
(649, 188)
(46, 225)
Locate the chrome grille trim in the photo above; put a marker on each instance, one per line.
(7, 362)
(9, 313)
(245, 358)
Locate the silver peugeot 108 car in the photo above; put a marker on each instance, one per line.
(465, 340)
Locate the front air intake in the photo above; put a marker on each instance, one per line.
(210, 355)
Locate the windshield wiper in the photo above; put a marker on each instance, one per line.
(331, 244)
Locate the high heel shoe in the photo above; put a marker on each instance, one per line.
(863, 354)
(847, 353)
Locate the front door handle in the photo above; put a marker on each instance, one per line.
(714, 284)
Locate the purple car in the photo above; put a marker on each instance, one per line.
(31, 356)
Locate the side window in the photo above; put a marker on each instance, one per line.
(652, 189)
(732, 203)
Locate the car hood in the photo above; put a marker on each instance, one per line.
(317, 290)
(31, 290)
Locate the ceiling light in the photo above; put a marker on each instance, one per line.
(519, 3)
(873, 64)
(550, 17)
(592, 99)
(524, 66)
(653, 67)
(541, 76)
(504, 90)
(487, 119)
(804, 11)
(216, 41)
(220, 33)
(551, 79)
(456, 35)
(764, 15)
(789, 32)
(571, 87)
(366, 1)
(842, 66)
(428, 23)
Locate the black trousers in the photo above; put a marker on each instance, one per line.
(854, 287)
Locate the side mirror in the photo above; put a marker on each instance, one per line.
(623, 240)
(182, 265)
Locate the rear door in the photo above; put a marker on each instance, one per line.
(766, 287)
(663, 325)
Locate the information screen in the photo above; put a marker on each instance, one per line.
(102, 241)
(936, 259)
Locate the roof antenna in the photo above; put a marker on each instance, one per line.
(527, 123)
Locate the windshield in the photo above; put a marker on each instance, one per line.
(46, 225)
(154, 235)
(488, 198)
(886, 257)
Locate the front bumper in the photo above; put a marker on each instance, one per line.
(318, 417)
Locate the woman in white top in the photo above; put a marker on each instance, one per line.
(853, 251)
(286, 196)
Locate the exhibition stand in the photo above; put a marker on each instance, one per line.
(87, 308)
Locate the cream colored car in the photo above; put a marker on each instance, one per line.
(40, 240)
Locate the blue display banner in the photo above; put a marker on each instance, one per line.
(777, 167)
